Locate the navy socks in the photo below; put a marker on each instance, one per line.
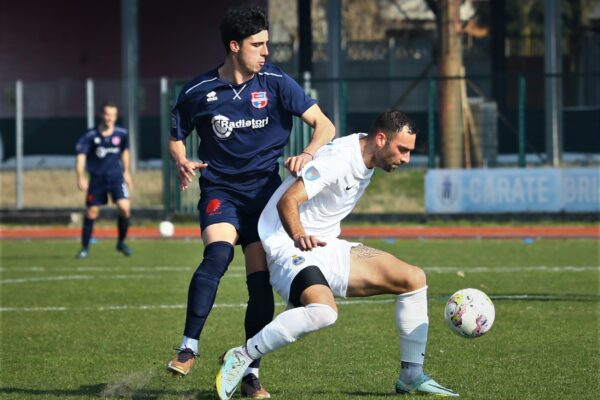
(86, 232)
(204, 285)
(261, 305)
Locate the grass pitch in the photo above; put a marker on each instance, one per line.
(105, 327)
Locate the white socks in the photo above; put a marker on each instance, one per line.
(189, 343)
(290, 326)
(413, 324)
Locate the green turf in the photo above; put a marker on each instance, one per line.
(105, 327)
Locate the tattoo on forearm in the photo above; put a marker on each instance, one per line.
(365, 252)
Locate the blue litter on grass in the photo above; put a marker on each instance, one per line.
(93, 241)
(528, 240)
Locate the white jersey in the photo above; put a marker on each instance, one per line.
(334, 181)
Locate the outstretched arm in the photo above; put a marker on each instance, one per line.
(185, 168)
(323, 133)
(288, 208)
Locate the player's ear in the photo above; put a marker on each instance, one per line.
(234, 46)
(380, 139)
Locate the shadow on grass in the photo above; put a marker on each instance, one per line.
(99, 391)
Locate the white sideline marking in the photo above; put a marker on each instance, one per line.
(108, 269)
(243, 305)
(432, 269)
(540, 268)
(80, 277)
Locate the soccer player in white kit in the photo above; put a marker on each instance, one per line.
(309, 265)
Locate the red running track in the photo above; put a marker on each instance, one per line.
(402, 232)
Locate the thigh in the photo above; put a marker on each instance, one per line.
(256, 260)
(374, 272)
(124, 206)
(219, 216)
(219, 232)
(318, 294)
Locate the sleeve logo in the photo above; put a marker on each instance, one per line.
(259, 99)
(311, 174)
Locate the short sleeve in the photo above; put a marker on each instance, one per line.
(83, 144)
(293, 97)
(323, 172)
(125, 142)
(181, 121)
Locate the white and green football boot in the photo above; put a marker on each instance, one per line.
(235, 361)
(424, 385)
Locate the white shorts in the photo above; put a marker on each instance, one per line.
(333, 260)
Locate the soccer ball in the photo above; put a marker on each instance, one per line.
(166, 229)
(469, 313)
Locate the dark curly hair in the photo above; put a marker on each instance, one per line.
(241, 22)
(391, 122)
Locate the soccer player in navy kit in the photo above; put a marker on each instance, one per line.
(242, 111)
(103, 152)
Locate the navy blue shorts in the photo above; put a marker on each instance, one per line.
(101, 186)
(241, 209)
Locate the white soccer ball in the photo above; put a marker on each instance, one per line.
(166, 229)
(469, 313)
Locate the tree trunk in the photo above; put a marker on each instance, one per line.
(450, 64)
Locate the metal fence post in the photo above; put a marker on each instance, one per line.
(521, 122)
(164, 137)
(431, 123)
(19, 143)
(89, 101)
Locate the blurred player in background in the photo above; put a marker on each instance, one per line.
(103, 152)
(242, 110)
(309, 265)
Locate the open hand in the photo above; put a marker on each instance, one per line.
(186, 171)
(307, 242)
(295, 164)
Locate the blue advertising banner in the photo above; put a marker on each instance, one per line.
(512, 190)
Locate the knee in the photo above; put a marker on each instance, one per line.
(321, 315)
(217, 256)
(417, 279)
(125, 212)
(407, 278)
(92, 213)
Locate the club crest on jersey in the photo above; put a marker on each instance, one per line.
(312, 174)
(116, 140)
(259, 99)
(297, 260)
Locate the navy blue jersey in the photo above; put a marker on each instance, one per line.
(103, 153)
(243, 128)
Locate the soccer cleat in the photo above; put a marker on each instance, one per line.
(123, 248)
(182, 363)
(252, 388)
(83, 253)
(234, 363)
(424, 385)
